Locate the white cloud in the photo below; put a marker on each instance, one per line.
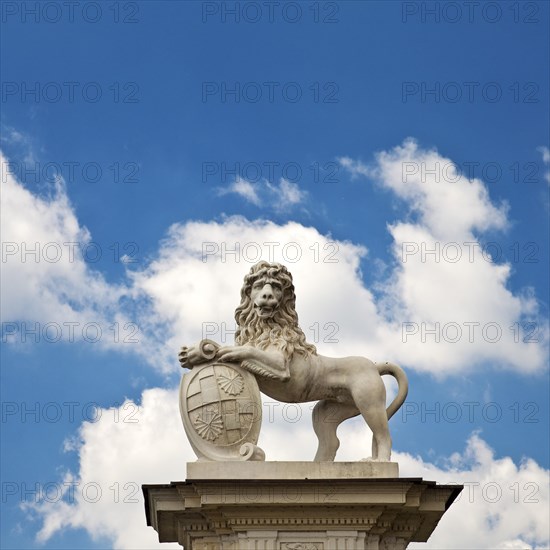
(45, 278)
(458, 291)
(335, 307)
(503, 504)
(196, 279)
(280, 197)
(287, 194)
(154, 450)
(194, 284)
(355, 167)
(11, 135)
(125, 448)
(448, 204)
(545, 152)
(20, 142)
(244, 188)
(192, 288)
(47, 284)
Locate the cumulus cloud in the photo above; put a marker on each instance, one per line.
(195, 282)
(280, 197)
(448, 204)
(125, 448)
(45, 276)
(50, 290)
(190, 290)
(503, 505)
(441, 313)
(452, 299)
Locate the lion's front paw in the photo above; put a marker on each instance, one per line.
(183, 358)
(191, 356)
(234, 354)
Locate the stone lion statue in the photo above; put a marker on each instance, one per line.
(271, 345)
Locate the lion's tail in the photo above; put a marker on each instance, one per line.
(402, 384)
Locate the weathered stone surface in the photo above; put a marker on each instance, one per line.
(221, 410)
(313, 514)
(292, 470)
(271, 346)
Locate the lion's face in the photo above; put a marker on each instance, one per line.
(266, 295)
(266, 316)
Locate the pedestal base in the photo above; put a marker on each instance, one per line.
(287, 510)
(291, 470)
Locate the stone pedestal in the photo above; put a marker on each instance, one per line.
(296, 506)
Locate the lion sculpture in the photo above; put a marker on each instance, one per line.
(271, 345)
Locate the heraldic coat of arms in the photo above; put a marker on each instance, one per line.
(221, 408)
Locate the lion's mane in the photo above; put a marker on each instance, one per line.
(280, 330)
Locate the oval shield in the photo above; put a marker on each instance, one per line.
(221, 411)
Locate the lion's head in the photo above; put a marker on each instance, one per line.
(266, 315)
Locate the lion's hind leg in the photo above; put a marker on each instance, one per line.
(370, 397)
(327, 416)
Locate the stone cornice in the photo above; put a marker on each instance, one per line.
(404, 509)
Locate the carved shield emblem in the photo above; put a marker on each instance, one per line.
(221, 410)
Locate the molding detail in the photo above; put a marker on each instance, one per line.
(302, 546)
(288, 514)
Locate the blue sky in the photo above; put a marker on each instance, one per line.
(357, 134)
